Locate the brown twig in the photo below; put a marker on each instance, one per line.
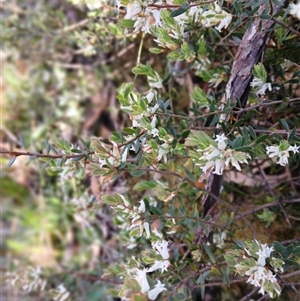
(274, 196)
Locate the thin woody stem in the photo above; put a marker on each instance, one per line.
(58, 156)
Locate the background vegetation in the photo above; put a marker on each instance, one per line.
(62, 69)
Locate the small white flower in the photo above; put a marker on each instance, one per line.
(147, 25)
(295, 148)
(264, 253)
(214, 154)
(158, 288)
(156, 233)
(61, 293)
(133, 9)
(163, 151)
(142, 280)
(295, 10)
(260, 86)
(163, 265)
(142, 207)
(156, 15)
(93, 4)
(225, 22)
(147, 229)
(219, 167)
(162, 248)
(150, 96)
(235, 163)
(282, 152)
(273, 151)
(221, 139)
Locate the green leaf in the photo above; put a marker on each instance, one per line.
(266, 17)
(137, 173)
(225, 274)
(239, 122)
(126, 23)
(156, 50)
(48, 147)
(156, 211)
(11, 161)
(215, 120)
(199, 96)
(284, 124)
(199, 138)
(279, 247)
(252, 132)
(292, 135)
(262, 138)
(288, 251)
(209, 253)
(75, 150)
(78, 158)
(144, 185)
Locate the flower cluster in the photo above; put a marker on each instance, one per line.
(60, 293)
(149, 17)
(216, 156)
(260, 86)
(29, 279)
(135, 215)
(216, 15)
(140, 275)
(109, 156)
(281, 152)
(252, 262)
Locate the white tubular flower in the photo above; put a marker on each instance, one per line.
(147, 229)
(281, 152)
(162, 248)
(260, 86)
(158, 288)
(219, 167)
(216, 16)
(156, 233)
(294, 149)
(225, 22)
(93, 4)
(273, 151)
(163, 151)
(142, 207)
(156, 16)
(163, 265)
(133, 9)
(61, 293)
(147, 25)
(295, 10)
(141, 278)
(150, 96)
(263, 253)
(221, 139)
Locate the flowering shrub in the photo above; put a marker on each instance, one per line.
(167, 187)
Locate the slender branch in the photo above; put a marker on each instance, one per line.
(255, 290)
(262, 104)
(30, 154)
(259, 208)
(179, 6)
(286, 26)
(133, 139)
(74, 26)
(290, 274)
(58, 156)
(262, 173)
